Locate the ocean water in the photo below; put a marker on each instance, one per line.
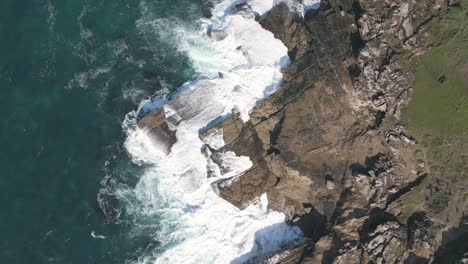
(69, 73)
(79, 183)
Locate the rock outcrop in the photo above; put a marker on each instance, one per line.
(328, 148)
(331, 136)
(318, 135)
(158, 129)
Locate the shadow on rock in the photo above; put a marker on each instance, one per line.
(269, 241)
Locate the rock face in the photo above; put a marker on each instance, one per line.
(242, 190)
(157, 128)
(316, 135)
(328, 148)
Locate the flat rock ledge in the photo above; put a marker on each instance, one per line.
(328, 148)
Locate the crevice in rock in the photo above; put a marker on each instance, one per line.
(357, 168)
(409, 187)
(313, 225)
(376, 217)
(379, 118)
(354, 70)
(415, 259)
(346, 193)
(274, 136)
(419, 27)
(357, 43)
(377, 163)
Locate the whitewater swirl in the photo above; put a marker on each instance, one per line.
(239, 64)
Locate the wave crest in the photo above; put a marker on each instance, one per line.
(238, 64)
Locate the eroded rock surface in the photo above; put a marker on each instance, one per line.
(332, 137)
(316, 135)
(157, 127)
(329, 148)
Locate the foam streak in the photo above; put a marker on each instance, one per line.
(239, 65)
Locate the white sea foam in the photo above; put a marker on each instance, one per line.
(297, 6)
(93, 235)
(300, 7)
(86, 33)
(82, 79)
(233, 165)
(261, 6)
(238, 66)
(214, 139)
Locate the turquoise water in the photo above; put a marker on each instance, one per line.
(70, 71)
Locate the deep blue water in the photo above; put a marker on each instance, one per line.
(70, 71)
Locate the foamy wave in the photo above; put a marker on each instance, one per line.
(81, 79)
(239, 65)
(299, 7)
(199, 226)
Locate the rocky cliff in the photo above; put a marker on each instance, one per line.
(339, 148)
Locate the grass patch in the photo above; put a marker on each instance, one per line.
(440, 99)
(449, 25)
(437, 115)
(413, 201)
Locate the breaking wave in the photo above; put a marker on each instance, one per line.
(238, 64)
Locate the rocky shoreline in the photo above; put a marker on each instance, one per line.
(331, 148)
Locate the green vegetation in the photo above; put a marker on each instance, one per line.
(438, 114)
(433, 230)
(439, 202)
(413, 201)
(440, 99)
(446, 27)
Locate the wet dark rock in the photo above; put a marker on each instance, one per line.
(157, 128)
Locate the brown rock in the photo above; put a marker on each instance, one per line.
(320, 147)
(157, 128)
(244, 189)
